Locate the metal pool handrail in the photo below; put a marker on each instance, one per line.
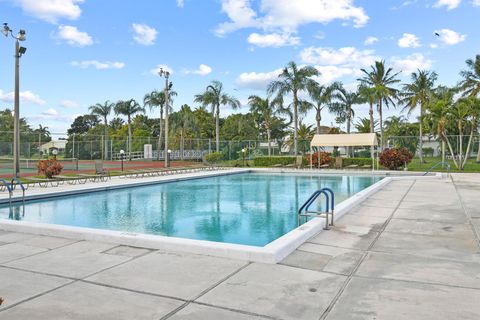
(436, 165)
(305, 212)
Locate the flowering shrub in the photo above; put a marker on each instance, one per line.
(49, 168)
(325, 158)
(395, 158)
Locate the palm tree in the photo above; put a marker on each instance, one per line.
(293, 80)
(183, 122)
(215, 97)
(470, 85)
(128, 108)
(265, 110)
(418, 93)
(156, 99)
(322, 96)
(103, 110)
(363, 125)
(42, 131)
(343, 107)
(305, 134)
(381, 79)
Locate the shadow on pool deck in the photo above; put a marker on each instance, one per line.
(411, 251)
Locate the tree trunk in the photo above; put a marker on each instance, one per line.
(349, 117)
(217, 127)
(105, 139)
(381, 124)
(318, 118)
(478, 152)
(468, 148)
(460, 131)
(129, 139)
(159, 143)
(269, 142)
(181, 144)
(295, 123)
(372, 128)
(420, 152)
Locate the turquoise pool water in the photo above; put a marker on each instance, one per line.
(250, 208)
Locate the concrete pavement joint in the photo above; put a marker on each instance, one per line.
(364, 255)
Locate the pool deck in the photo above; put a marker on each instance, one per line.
(410, 251)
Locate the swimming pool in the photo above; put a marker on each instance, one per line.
(247, 208)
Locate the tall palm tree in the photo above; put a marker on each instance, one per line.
(293, 80)
(363, 125)
(156, 99)
(470, 85)
(103, 111)
(266, 110)
(215, 97)
(128, 108)
(183, 122)
(343, 107)
(418, 93)
(381, 80)
(322, 96)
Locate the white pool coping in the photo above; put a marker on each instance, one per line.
(273, 252)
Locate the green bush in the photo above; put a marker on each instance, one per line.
(362, 154)
(270, 161)
(357, 161)
(428, 152)
(214, 157)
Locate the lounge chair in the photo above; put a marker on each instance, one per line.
(42, 182)
(352, 166)
(100, 173)
(325, 165)
(366, 166)
(71, 179)
(278, 165)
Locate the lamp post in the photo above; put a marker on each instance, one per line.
(166, 74)
(54, 152)
(243, 156)
(168, 157)
(122, 154)
(19, 51)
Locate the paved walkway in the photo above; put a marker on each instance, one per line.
(411, 251)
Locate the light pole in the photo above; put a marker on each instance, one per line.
(54, 152)
(19, 51)
(122, 153)
(243, 156)
(168, 156)
(166, 74)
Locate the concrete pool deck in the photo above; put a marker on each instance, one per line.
(410, 251)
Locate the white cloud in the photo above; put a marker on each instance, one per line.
(349, 56)
(25, 97)
(180, 3)
(156, 70)
(144, 34)
(411, 63)
(370, 40)
(52, 115)
(450, 4)
(450, 37)
(68, 104)
(476, 3)
(433, 45)
(409, 40)
(273, 40)
(98, 65)
(328, 74)
(51, 10)
(73, 36)
(50, 112)
(287, 15)
(257, 80)
(202, 70)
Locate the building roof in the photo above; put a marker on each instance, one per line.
(348, 140)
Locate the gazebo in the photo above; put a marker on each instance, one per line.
(347, 140)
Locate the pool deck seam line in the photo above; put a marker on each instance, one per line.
(350, 276)
(469, 217)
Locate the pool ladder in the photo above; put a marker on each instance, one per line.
(304, 212)
(10, 187)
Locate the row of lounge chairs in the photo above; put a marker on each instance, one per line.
(102, 175)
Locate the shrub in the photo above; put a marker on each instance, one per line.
(357, 161)
(270, 161)
(362, 154)
(214, 157)
(428, 152)
(395, 158)
(49, 167)
(325, 158)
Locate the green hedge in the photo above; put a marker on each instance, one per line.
(270, 161)
(214, 157)
(357, 161)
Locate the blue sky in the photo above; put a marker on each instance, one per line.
(81, 52)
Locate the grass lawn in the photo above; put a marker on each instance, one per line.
(416, 165)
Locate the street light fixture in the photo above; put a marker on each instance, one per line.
(168, 86)
(169, 152)
(19, 51)
(122, 154)
(243, 156)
